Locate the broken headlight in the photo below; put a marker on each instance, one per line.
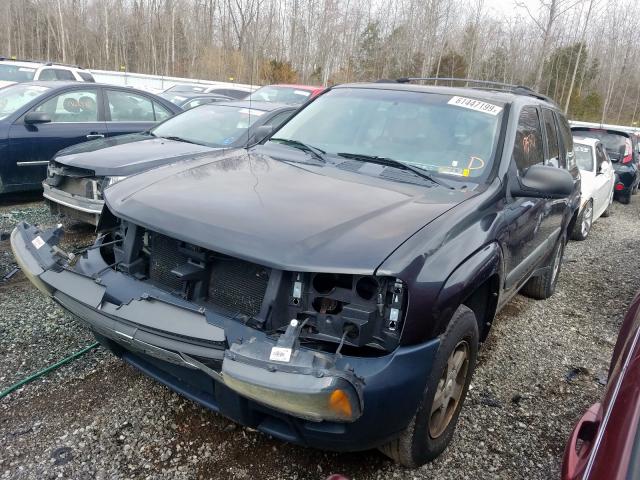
(359, 310)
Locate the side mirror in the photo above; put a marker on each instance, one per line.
(542, 181)
(260, 133)
(33, 118)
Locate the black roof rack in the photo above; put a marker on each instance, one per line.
(483, 85)
(43, 62)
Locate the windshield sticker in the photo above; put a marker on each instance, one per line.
(581, 149)
(302, 92)
(251, 111)
(25, 69)
(462, 172)
(476, 105)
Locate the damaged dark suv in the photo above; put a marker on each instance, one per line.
(330, 286)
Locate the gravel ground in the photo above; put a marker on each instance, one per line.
(545, 362)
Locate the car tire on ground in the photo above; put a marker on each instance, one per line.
(625, 198)
(582, 227)
(542, 287)
(607, 212)
(433, 424)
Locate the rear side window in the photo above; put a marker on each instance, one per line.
(47, 74)
(129, 107)
(63, 74)
(566, 138)
(87, 77)
(528, 149)
(553, 149)
(161, 113)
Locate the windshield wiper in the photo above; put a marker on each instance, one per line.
(178, 139)
(390, 162)
(315, 151)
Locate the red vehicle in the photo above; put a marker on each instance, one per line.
(605, 443)
(285, 93)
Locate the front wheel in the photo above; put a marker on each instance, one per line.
(582, 226)
(432, 426)
(543, 286)
(607, 212)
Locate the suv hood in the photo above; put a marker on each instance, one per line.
(293, 216)
(127, 154)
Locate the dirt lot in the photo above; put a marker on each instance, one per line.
(544, 364)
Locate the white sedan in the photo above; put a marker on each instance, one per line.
(598, 178)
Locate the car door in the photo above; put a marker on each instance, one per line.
(131, 112)
(603, 180)
(76, 117)
(533, 223)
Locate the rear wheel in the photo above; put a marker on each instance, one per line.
(433, 424)
(543, 286)
(583, 224)
(625, 198)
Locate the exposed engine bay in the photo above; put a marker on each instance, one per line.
(353, 311)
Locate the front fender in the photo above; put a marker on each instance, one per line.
(466, 278)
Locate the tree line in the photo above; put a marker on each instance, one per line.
(585, 54)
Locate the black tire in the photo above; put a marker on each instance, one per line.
(607, 212)
(416, 446)
(542, 287)
(625, 198)
(582, 227)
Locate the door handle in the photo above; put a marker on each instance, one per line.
(93, 136)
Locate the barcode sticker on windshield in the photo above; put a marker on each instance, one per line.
(38, 242)
(476, 105)
(280, 354)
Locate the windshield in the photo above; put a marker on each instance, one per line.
(289, 95)
(211, 125)
(584, 156)
(442, 134)
(187, 89)
(15, 97)
(15, 73)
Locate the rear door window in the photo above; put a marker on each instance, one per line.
(129, 107)
(62, 74)
(47, 74)
(566, 140)
(528, 149)
(553, 157)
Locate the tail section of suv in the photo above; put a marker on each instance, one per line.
(331, 285)
(18, 71)
(622, 148)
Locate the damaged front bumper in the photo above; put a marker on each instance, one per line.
(269, 383)
(74, 206)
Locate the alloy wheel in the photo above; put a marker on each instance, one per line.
(449, 390)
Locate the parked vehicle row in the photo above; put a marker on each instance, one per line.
(623, 150)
